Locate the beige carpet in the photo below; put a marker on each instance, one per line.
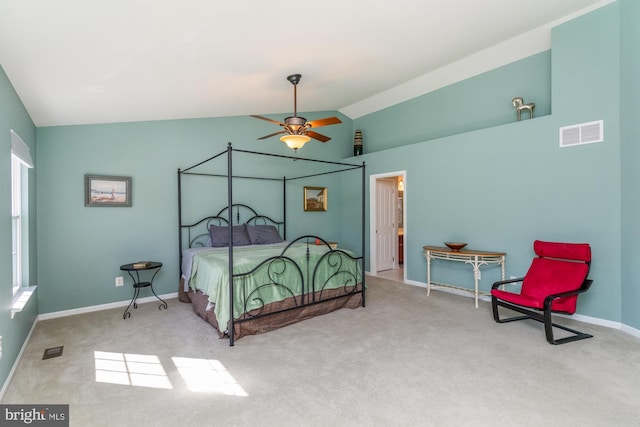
(404, 360)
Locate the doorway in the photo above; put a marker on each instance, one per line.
(388, 225)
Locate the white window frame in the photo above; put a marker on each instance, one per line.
(20, 162)
(16, 223)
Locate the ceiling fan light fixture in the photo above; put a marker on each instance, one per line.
(295, 141)
(297, 129)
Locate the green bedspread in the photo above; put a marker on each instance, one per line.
(273, 281)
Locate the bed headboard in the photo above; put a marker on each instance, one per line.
(197, 234)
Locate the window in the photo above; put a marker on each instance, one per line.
(20, 162)
(16, 222)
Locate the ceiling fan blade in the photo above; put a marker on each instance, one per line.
(268, 120)
(316, 135)
(324, 122)
(295, 125)
(272, 134)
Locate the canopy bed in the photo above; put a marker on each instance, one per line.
(238, 269)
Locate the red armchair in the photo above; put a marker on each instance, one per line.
(552, 285)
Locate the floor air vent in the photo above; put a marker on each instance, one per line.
(52, 352)
(585, 133)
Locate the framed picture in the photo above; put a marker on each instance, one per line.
(315, 199)
(103, 190)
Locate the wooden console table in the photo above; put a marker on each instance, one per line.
(474, 258)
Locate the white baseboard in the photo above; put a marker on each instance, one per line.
(631, 331)
(15, 362)
(100, 307)
(418, 284)
(579, 317)
(587, 319)
(71, 312)
(593, 320)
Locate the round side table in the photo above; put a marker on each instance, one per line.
(134, 270)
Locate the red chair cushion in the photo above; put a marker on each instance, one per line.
(517, 299)
(548, 276)
(574, 251)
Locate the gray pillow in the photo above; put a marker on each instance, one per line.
(220, 236)
(263, 234)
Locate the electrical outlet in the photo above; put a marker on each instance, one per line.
(119, 281)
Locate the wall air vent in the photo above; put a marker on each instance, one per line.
(585, 133)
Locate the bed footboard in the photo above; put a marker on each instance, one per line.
(305, 279)
(304, 275)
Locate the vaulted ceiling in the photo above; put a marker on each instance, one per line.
(91, 61)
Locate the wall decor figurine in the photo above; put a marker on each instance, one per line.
(357, 143)
(520, 106)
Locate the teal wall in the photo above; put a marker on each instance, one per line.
(473, 174)
(479, 102)
(81, 248)
(501, 187)
(630, 135)
(14, 331)
(493, 182)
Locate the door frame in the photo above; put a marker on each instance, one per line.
(372, 219)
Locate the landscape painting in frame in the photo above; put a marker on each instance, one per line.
(104, 190)
(315, 198)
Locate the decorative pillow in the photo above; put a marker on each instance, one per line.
(240, 236)
(220, 236)
(263, 234)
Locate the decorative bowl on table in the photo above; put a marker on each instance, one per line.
(455, 246)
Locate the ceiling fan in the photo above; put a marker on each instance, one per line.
(296, 129)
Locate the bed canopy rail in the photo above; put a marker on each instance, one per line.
(225, 216)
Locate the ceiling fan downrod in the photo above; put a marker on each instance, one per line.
(295, 79)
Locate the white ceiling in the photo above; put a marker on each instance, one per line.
(101, 61)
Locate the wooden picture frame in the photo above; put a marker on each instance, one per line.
(315, 199)
(107, 190)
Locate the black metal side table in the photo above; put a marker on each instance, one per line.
(137, 284)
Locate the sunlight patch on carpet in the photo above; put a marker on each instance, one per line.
(207, 376)
(141, 370)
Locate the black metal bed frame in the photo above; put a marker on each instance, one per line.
(201, 226)
(311, 293)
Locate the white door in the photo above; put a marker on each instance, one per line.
(386, 224)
